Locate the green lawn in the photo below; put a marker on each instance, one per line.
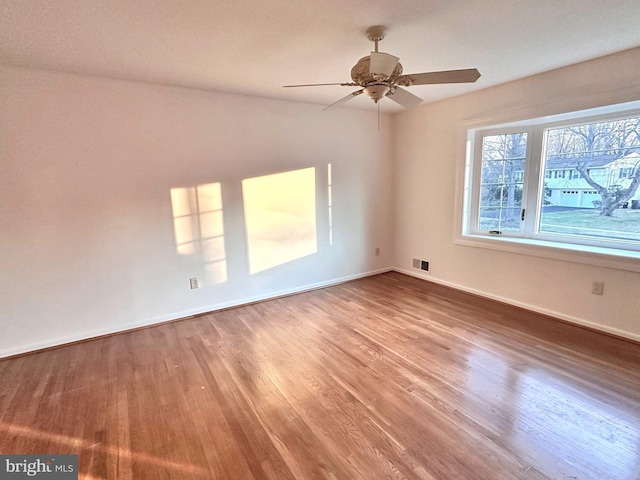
(624, 224)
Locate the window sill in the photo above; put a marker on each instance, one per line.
(597, 256)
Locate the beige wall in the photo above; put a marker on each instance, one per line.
(88, 236)
(427, 158)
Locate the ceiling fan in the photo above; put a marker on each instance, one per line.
(380, 75)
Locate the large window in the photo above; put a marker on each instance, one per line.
(561, 181)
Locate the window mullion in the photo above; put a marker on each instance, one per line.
(534, 182)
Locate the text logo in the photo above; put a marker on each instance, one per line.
(50, 467)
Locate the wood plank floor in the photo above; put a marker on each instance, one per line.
(384, 377)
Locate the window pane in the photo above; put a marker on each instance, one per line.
(596, 197)
(501, 219)
(502, 182)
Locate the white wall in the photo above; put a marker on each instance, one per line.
(427, 152)
(87, 165)
(87, 241)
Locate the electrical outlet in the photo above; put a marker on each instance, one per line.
(377, 251)
(193, 282)
(597, 288)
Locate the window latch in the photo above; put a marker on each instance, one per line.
(522, 215)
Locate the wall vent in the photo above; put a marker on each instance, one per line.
(421, 264)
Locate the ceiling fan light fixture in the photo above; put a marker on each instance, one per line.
(376, 91)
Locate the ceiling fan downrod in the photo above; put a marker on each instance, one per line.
(375, 34)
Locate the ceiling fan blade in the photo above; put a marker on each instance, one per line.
(382, 63)
(404, 98)
(344, 99)
(321, 85)
(468, 75)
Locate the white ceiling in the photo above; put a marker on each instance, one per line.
(254, 47)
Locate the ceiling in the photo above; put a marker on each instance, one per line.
(254, 47)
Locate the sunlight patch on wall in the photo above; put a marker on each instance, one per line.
(198, 227)
(280, 217)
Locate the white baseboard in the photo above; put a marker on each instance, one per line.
(551, 313)
(60, 341)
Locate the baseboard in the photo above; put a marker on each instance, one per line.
(550, 313)
(177, 316)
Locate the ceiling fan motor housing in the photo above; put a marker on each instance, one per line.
(361, 75)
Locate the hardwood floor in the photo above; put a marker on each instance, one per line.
(384, 377)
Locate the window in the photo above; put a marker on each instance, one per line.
(563, 181)
(500, 191)
(626, 172)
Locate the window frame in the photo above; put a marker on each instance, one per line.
(477, 175)
(529, 240)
